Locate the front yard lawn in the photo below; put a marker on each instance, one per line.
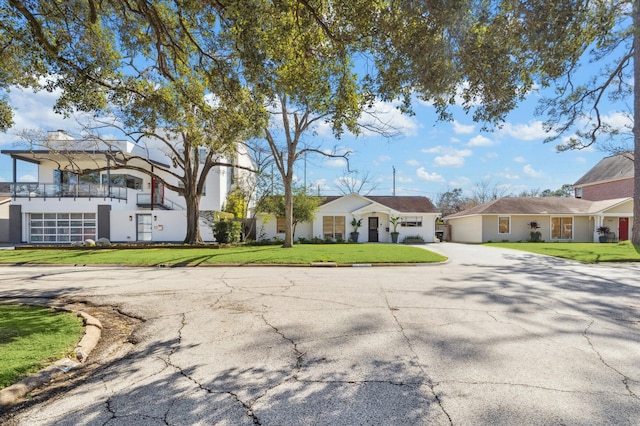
(33, 337)
(302, 254)
(583, 252)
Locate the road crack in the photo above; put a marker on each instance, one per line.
(625, 379)
(429, 382)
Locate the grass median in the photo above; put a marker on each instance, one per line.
(33, 337)
(302, 254)
(582, 252)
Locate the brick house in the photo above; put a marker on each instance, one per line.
(611, 178)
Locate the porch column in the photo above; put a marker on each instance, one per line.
(15, 175)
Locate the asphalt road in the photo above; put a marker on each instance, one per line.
(491, 337)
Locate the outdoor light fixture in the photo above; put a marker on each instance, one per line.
(130, 218)
(155, 218)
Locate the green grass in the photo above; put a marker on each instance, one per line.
(32, 337)
(303, 254)
(583, 252)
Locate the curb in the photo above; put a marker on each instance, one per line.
(93, 330)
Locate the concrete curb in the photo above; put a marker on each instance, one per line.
(93, 330)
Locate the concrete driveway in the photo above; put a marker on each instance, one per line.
(492, 337)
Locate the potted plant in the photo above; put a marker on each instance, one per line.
(395, 221)
(603, 231)
(355, 223)
(535, 234)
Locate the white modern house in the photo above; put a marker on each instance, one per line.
(416, 217)
(123, 205)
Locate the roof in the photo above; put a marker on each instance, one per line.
(399, 203)
(40, 155)
(615, 167)
(538, 206)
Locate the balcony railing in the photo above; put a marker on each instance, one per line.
(53, 190)
(144, 199)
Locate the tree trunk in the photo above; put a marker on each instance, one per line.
(288, 214)
(193, 236)
(635, 236)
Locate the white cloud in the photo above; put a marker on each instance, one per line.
(335, 162)
(462, 129)
(413, 163)
(448, 150)
(450, 157)
(320, 183)
(383, 116)
(520, 159)
(507, 174)
(480, 141)
(619, 120)
(460, 182)
(402, 179)
(449, 161)
(384, 158)
(531, 172)
(429, 177)
(35, 111)
(489, 156)
(27, 178)
(526, 132)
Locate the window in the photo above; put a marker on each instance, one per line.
(411, 222)
(122, 180)
(504, 225)
(333, 227)
(562, 228)
(579, 192)
(280, 225)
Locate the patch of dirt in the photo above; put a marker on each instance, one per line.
(115, 342)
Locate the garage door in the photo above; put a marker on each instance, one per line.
(61, 227)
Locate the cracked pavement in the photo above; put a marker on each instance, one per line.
(492, 337)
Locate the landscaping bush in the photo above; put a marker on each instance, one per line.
(227, 231)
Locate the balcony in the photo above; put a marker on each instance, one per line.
(53, 190)
(161, 203)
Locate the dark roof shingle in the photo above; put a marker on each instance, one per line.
(610, 168)
(528, 205)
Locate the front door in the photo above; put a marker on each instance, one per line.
(623, 225)
(373, 229)
(143, 227)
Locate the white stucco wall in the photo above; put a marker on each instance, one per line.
(167, 226)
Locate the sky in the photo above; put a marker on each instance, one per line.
(429, 157)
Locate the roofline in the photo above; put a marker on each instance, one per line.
(582, 185)
(15, 154)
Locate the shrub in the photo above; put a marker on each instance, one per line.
(226, 231)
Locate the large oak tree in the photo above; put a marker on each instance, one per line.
(156, 70)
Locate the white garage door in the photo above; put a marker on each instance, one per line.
(61, 227)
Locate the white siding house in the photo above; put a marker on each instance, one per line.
(417, 217)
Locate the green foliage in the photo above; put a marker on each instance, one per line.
(33, 337)
(395, 221)
(305, 206)
(582, 252)
(268, 254)
(237, 203)
(227, 231)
